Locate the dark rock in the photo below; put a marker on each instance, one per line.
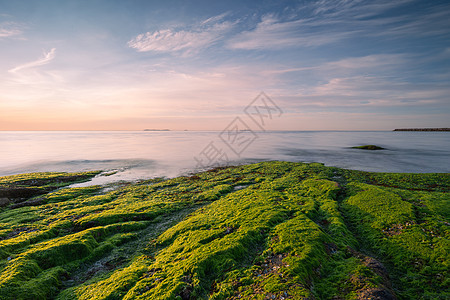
(33, 202)
(4, 201)
(422, 129)
(369, 147)
(19, 194)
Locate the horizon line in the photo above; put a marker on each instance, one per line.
(209, 130)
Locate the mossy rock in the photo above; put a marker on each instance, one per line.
(270, 230)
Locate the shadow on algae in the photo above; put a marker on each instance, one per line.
(272, 230)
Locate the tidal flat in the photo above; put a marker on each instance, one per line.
(270, 230)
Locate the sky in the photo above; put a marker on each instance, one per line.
(196, 65)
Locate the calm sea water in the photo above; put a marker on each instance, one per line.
(147, 154)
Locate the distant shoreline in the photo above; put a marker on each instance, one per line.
(156, 129)
(422, 129)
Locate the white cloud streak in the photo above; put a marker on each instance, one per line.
(272, 33)
(373, 82)
(9, 29)
(334, 21)
(357, 8)
(47, 57)
(187, 41)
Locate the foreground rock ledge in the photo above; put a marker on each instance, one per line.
(273, 230)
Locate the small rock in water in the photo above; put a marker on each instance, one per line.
(369, 147)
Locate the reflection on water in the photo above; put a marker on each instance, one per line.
(138, 155)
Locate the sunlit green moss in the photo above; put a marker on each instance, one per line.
(38, 179)
(266, 230)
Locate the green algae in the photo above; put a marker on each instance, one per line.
(274, 230)
(23, 189)
(46, 178)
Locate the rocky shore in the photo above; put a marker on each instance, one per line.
(422, 129)
(272, 230)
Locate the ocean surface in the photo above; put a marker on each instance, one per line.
(135, 155)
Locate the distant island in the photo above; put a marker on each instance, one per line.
(156, 129)
(422, 129)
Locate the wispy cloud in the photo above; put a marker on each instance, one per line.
(374, 19)
(274, 33)
(359, 93)
(45, 59)
(357, 8)
(433, 22)
(366, 62)
(9, 29)
(187, 40)
(325, 22)
(380, 82)
(352, 65)
(215, 19)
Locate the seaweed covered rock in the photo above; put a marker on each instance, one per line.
(272, 230)
(19, 188)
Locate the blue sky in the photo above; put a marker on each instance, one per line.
(130, 65)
